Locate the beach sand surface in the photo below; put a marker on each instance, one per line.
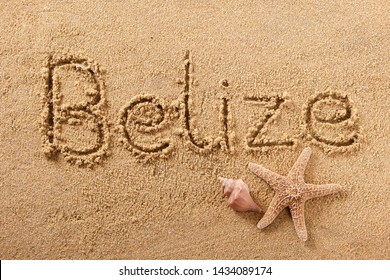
(118, 118)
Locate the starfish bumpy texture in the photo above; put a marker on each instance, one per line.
(291, 191)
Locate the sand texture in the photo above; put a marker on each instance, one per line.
(117, 119)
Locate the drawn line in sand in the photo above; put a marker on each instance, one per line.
(145, 115)
(194, 140)
(330, 121)
(77, 129)
(255, 138)
(224, 120)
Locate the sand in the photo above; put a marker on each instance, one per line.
(116, 121)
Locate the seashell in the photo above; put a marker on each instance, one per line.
(239, 196)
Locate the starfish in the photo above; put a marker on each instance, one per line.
(291, 191)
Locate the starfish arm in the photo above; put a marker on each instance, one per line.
(297, 210)
(276, 181)
(296, 173)
(276, 206)
(310, 191)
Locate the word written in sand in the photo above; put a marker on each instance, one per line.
(74, 118)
